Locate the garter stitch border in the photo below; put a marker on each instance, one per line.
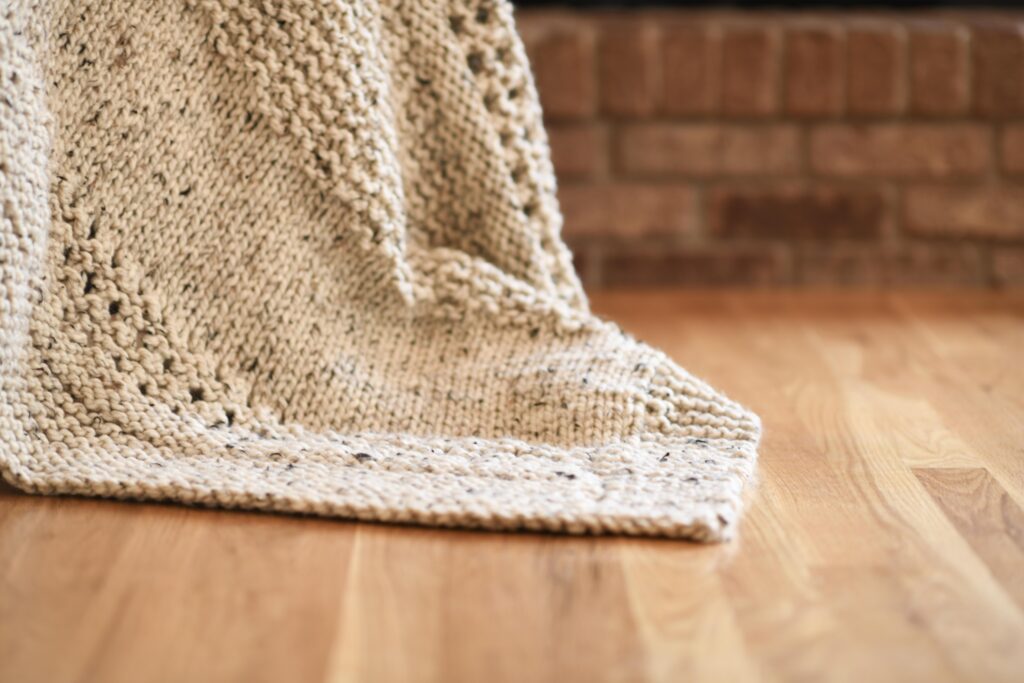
(304, 256)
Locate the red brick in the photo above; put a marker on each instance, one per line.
(1008, 266)
(579, 150)
(987, 211)
(838, 264)
(920, 264)
(628, 209)
(797, 212)
(1012, 148)
(898, 265)
(814, 71)
(875, 66)
(998, 68)
(655, 265)
(562, 60)
(901, 150)
(939, 71)
(691, 68)
(750, 70)
(782, 200)
(707, 149)
(626, 59)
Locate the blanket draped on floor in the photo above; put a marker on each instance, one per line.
(305, 256)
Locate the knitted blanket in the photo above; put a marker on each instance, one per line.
(304, 256)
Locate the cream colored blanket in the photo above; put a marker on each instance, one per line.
(304, 256)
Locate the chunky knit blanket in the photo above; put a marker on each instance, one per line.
(304, 256)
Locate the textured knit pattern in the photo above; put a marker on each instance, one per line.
(304, 255)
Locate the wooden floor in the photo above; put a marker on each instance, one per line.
(885, 540)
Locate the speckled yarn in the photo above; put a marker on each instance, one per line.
(304, 256)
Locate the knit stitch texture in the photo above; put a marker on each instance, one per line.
(304, 256)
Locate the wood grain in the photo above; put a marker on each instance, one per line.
(885, 540)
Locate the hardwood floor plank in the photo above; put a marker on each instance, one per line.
(825, 378)
(973, 379)
(885, 534)
(61, 584)
(806, 512)
(944, 583)
(151, 592)
(986, 516)
(683, 614)
(390, 609)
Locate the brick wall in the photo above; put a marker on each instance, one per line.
(786, 148)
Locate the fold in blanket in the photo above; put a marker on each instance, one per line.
(304, 256)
